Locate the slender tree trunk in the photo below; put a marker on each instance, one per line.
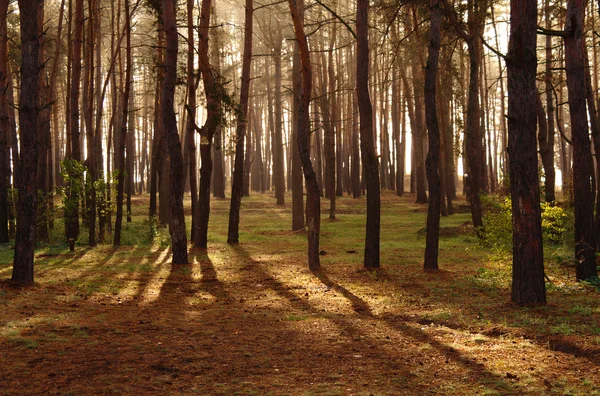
(313, 200)
(367, 144)
(528, 259)
(548, 149)
(4, 125)
(28, 119)
(240, 133)
(89, 128)
(190, 130)
(278, 159)
(433, 156)
(122, 139)
(177, 175)
(296, 162)
(212, 89)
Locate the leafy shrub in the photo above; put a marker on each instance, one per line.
(554, 223)
(498, 224)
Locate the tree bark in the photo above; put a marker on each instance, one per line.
(190, 130)
(212, 90)
(433, 156)
(28, 119)
(122, 138)
(367, 144)
(4, 125)
(582, 160)
(296, 162)
(528, 260)
(177, 174)
(240, 133)
(313, 200)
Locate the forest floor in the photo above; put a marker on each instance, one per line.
(253, 320)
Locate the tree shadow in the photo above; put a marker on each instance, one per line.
(363, 310)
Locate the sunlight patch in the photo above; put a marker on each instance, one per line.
(152, 290)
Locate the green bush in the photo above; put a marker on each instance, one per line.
(498, 224)
(554, 223)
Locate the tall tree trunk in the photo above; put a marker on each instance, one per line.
(122, 138)
(72, 221)
(190, 131)
(367, 144)
(547, 149)
(278, 159)
(313, 200)
(212, 90)
(177, 174)
(473, 138)
(4, 125)
(528, 259)
(28, 119)
(296, 162)
(582, 160)
(43, 136)
(240, 133)
(155, 165)
(89, 128)
(433, 156)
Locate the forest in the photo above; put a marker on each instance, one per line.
(299, 197)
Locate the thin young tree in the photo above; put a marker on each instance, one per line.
(28, 119)
(367, 144)
(433, 156)
(313, 196)
(528, 260)
(240, 132)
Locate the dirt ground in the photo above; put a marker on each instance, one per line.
(253, 320)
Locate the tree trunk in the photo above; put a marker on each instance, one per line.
(190, 130)
(296, 162)
(528, 260)
(28, 119)
(433, 156)
(278, 168)
(122, 138)
(367, 144)
(177, 173)
(72, 222)
(212, 89)
(240, 133)
(582, 160)
(313, 200)
(4, 125)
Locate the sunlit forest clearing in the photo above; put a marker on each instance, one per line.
(252, 319)
(299, 197)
